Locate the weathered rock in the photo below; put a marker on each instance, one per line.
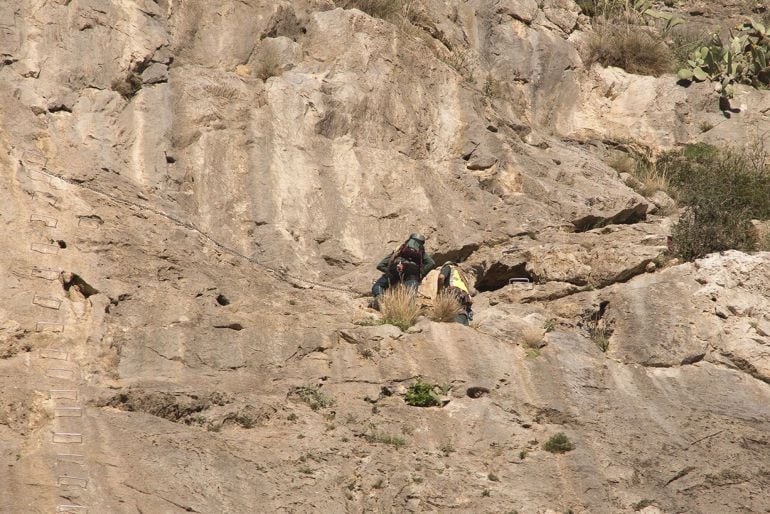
(188, 286)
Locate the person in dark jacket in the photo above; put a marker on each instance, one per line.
(452, 279)
(407, 265)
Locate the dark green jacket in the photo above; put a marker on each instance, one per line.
(427, 264)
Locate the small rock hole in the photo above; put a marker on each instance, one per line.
(222, 300)
(477, 392)
(70, 280)
(61, 243)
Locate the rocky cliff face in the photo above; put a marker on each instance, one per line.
(194, 195)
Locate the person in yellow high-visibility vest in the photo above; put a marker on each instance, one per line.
(452, 278)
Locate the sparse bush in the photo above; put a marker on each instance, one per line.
(445, 306)
(393, 440)
(723, 189)
(268, 65)
(313, 396)
(637, 49)
(549, 325)
(399, 307)
(127, 86)
(421, 394)
(460, 60)
(385, 9)
(558, 443)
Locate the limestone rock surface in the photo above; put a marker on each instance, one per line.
(193, 198)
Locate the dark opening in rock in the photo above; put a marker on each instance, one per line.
(70, 280)
(498, 276)
(61, 243)
(455, 254)
(222, 300)
(231, 326)
(476, 392)
(625, 217)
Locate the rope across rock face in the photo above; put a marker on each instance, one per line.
(277, 273)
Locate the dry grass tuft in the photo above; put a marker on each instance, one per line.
(634, 48)
(268, 65)
(533, 337)
(399, 307)
(445, 307)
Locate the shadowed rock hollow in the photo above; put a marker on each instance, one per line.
(179, 181)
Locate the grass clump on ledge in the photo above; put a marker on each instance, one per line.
(634, 48)
(446, 306)
(399, 307)
(421, 394)
(558, 443)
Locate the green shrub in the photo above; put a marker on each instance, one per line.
(635, 48)
(558, 443)
(723, 190)
(421, 394)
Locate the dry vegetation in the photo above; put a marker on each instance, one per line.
(399, 307)
(635, 48)
(445, 307)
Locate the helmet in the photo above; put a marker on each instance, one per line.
(417, 237)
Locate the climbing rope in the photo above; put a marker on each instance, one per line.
(277, 273)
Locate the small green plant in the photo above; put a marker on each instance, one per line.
(485, 493)
(399, 307)
(549, 325)
(369, 322)
(601, 337)
(558, 443)
(313, 397)
(523, 454)
(533, 353)
(305, 470)
(421, 394)
(642, 504)
(447, 449)
(292, 417)
(379, 484)
(392, 440)
(493, 88)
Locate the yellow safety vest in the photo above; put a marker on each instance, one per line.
(456, 280)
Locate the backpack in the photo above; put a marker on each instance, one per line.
(411, 253)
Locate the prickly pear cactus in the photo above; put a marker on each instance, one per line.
(744, 59)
